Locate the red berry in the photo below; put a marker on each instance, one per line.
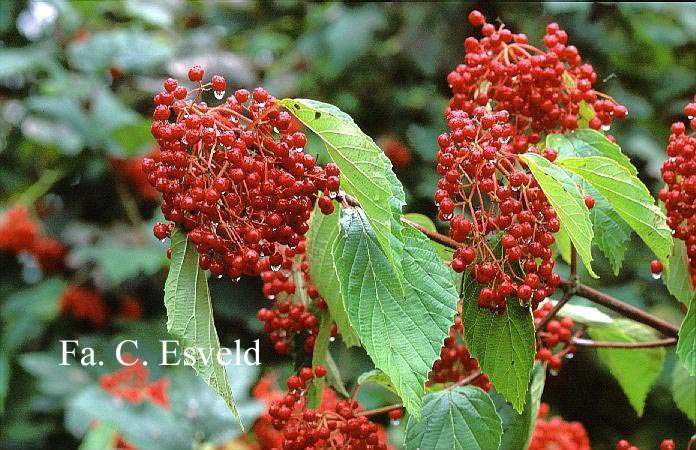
(476, 18)
(196, 73)
(589, 201)
(656, 267)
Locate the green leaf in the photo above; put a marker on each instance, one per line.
(333, 376)
(635, 369)
(110, 257)
(629, 197)
(323, 231)
(686, 345)
(676, 276)
(684, 391)
(518, 428)
(102, 437)
(504, 344)
(563, 194)
(378, 377)
(612, 233)
(587, 315)
(363, 166)
(402, 334)
(463, 418)
(190, 313)
(321, 349)
(26, 313)
(587, 142)
(424, 221)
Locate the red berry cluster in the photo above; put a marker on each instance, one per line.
(456, 363)
(84, 304)
(295, 298)
(131, 384)
(679, 194)
(338, 426)
(235, 175)
(542, 90)
(666, 444)
(557, 434)
(506, 95)
(132, 171)
(555, 333)
(483, 175)
(19, 233)
(397, 152)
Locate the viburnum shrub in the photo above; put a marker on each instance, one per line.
(459, 325)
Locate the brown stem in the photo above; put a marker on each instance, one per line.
(601, 344)
(467, 380)
(622, 308)
(383, 409)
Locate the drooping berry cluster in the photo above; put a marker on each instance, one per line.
(335, 425)
(557, 434)
(679, 193)
(84, 304)
(542, 90)
(19, 233)
(506, 95)
(456, 363)
(235, 175)
(131, 384)
(556, 333)
(295, 301)
(485, 190)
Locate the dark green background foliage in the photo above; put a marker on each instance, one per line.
(64, 116)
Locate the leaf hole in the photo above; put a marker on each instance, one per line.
(317, 115)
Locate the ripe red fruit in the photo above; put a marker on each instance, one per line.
(476, 18)
(320, 371)
(196, 73)
(667, 444)
(219, 83)
(589, 201)
(656, 267)
(396, 414)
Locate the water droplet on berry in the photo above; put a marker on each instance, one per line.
(218, 277)
(570, 355)
(236, 279)
(234, 119)
(447, 216)
(606, 127)
(219, 94)
(270, 297)
(183, 140)
(395, 423)
(690, 117)
(504, 140)
(553, 372)
(333, 194)
(332, 339)
(261, 104)
(275, 130)
(657, 276)
(275, 268)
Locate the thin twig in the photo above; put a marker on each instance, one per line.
(622, 308)
(383, 409)
(647, 344)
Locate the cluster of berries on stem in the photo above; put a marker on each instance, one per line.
(555, 334)
(340, 426)
(235, 176)
(505, 96)
(557, 434)
(679, 193)
(20, 233)
(666, 444)
(456, 363)
(131, 384)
